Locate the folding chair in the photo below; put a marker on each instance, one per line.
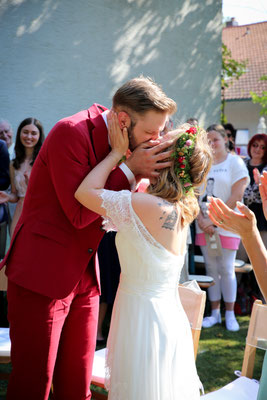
(3, 279)
(244, 387)
(193, 300)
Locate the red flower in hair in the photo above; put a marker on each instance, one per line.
(181, 159)
(182, 166)
(192, 130)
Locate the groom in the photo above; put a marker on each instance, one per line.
(53, 277)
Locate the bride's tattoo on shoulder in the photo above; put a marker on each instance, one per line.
(170, 216)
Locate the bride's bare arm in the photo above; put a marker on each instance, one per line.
(88, 193)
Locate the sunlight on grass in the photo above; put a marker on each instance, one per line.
(221, 352)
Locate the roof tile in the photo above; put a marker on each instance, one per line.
(247, 42)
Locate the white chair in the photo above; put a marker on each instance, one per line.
(244, 387)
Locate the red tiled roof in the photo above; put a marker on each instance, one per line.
(247, 42)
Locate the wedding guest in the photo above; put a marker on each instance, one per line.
(231, 135)
(256, 164)
(6, 134)
(244, 224)
(192, 121)
(4, 178)
(4, 184)
(29, 139)
(150, 342)
(217, 245)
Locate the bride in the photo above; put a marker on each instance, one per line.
(150, 350)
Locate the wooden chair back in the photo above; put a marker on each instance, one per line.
(193, 301)
(256, 337)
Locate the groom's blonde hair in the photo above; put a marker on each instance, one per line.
(142, 94)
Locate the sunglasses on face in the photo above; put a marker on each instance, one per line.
(256, 145)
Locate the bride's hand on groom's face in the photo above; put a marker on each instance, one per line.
(147, 159)
(118, 137)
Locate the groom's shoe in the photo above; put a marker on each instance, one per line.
(208, 322)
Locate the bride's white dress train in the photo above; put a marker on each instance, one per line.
(150, 352)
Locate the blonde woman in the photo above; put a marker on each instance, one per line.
(150, 350)
(227, 180)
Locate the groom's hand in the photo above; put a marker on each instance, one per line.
(148, 158)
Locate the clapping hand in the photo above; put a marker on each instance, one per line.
(205, 224)
(256, 175)
(118, 138)
(242, 223)
(263, 192)
(4, 197)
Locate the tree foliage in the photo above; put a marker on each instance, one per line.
(262, 100)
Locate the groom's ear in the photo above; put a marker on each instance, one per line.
(124, 119)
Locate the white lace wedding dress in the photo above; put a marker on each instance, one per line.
(149, 350)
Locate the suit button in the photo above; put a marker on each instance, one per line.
(90, 250)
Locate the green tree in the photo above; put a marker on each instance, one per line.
(231, 70)
(262, 100)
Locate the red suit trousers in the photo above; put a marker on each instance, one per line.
(51, 339)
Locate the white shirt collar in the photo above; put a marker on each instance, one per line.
(104, 116)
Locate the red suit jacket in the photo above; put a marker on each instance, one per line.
(56, 236)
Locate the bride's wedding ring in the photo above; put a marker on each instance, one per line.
(221, 222)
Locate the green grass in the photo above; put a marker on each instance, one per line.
(220, 353)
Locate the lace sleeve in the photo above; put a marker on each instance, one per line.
(117, 206)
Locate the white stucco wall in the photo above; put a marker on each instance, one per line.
(60, 56)
(243, 115)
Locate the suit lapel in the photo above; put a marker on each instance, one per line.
(99, 137)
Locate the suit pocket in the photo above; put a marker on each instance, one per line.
(51, 232)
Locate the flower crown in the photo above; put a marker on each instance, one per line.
(183, 151)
